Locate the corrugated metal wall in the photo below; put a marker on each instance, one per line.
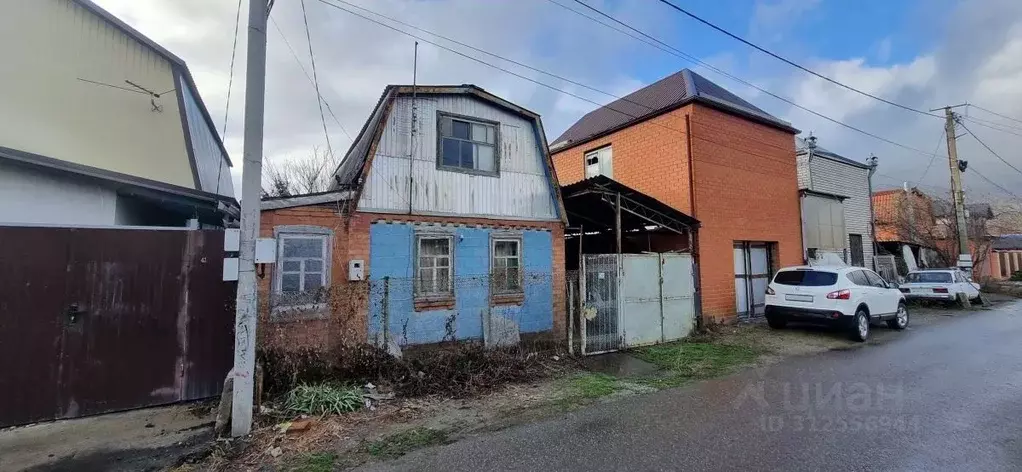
(110, 319)
(522, 190)
(853, 182)
(48, 45)
(209, 158)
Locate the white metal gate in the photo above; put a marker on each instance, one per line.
(752, 274)
(646, 299)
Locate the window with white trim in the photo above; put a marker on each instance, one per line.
(600, 162)
(467, 145)
(433, 270)
(302, 269)
(506, 266)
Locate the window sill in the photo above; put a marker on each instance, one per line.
(435, 303)
(284, 314)
(507, 299)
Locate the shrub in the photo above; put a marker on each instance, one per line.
(1017, 276)
(323, 399)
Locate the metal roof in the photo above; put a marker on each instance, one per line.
(1008, 242)
(589, 203)
(802, 147)
(662, 96)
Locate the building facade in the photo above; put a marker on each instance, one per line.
(445, 224)
(101, 118)
(706, 152)
(836, 206)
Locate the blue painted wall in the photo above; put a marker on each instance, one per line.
(391, 252)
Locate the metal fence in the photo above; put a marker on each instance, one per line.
(600, 318)
(498, 311)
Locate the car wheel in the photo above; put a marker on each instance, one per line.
(900, 321)
(860, 326)
(777, 322)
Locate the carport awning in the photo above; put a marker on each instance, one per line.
(592, 204)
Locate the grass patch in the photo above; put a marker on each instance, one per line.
(316, 462)
(592, 385)
(686, 361)
(402, 443)
(323, 399)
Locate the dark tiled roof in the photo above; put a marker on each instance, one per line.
(1008, 242)
(944, 208)
(661, 96)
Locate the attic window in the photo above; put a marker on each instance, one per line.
(599, 162)
(467, 145)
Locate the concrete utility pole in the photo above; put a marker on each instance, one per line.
(957, 195)
(251, 183)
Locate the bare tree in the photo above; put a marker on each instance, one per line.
(299, 176)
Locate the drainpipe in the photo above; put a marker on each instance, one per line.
(872, 162)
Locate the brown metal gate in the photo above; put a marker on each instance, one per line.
(99, 320)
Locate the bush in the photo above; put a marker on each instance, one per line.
(1017, 276)
(323, 399)
(459, 370)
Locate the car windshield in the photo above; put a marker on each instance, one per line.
(806, 278)
(929, 277)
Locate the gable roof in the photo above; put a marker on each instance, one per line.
(1008, 242)
(351, 171)
(943, 208)
(801, 147)
(662, 96)
(177, 63)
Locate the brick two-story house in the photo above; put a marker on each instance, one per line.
(712, 155)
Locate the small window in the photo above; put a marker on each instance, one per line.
(858, 277)
(806, 278)
(467, 145)
(599, 162)
(506, 266)
(302, 268)
(874, 279)
(433, 271)
(928, 278)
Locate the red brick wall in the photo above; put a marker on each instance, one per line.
(746, 186)
(347, 322)
(651, 157)
(746, 190)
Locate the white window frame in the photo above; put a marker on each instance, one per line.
(495, 126)
(420, 293)
(603, 162)
(283, 233)
(493, 266)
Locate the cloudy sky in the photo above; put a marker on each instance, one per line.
(920, 53)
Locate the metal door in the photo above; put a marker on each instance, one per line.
(641, 310)
(678, 293)
(752, 274)
(600, 314)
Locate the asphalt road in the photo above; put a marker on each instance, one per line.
(946, 396)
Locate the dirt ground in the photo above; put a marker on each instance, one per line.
(179, 438)
(149, 439)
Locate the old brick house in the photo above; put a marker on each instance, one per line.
(444, 223)
(706, 152)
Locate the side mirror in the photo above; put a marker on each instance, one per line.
(893, 285)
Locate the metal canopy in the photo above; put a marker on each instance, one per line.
(593, 203)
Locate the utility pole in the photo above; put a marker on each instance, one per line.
(251, 183)
(957, 195)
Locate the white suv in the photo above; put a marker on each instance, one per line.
(939, 284)
(848, 296)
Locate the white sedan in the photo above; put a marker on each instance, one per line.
(938, 284)
(851, 297)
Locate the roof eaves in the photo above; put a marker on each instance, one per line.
(746, 112)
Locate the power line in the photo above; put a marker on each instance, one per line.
(790, 62)
(995, 126)
(988, 147)
(991, 182)
(537, 82)
(681, 54)
(309, 77)
(230, 79)
(943, 133)
(315, 82)
(995, 113)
